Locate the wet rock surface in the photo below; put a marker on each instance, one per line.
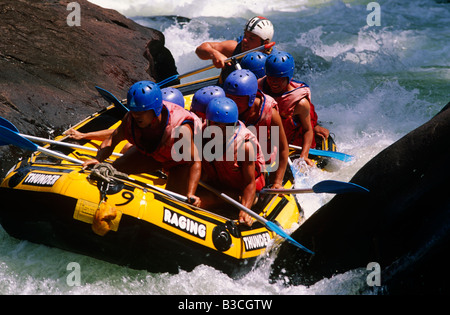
(49, 69)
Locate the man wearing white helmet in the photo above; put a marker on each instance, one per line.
(258, 31)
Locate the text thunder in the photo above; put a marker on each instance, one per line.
(40, 179)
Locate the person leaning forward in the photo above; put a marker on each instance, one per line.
(149, 126)
(238, 169)
(260, 111)
(294, 102)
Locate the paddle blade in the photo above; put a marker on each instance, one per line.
(332, 154)
(325, 153)
(109, 97)
(337, 187)
(8, 136)
(276, 229)
(7, 124)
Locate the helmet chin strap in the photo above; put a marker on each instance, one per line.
(155, 120)
(230, 140)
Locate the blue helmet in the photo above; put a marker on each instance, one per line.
(242, 83)
(143, 96)
(222, 110)
(280, 64)
(255, 62)
(203, 96)
(173, 95)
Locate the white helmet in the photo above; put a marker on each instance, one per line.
(260, 26)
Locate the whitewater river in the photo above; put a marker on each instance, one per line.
(371, 84)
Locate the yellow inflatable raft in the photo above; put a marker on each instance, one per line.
(130, 220)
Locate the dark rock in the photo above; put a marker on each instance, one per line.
(403, 224)
(49, 69)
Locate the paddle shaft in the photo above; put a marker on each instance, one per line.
(234, 202)
(187, 74)
(58, 155)
(240, 55)
(64, 144)
(162, 190)
(268, 224)
(214, 78)
(325, 186)
(20, 141)
(10, 135)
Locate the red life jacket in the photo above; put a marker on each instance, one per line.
(286, 105)
(163, 150)
(229, 172)
(264, 120)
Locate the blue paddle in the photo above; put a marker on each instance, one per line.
(326, 186)
(268, 224)
(109, 97)
(7, 124)
(8, 136)
(332, 154)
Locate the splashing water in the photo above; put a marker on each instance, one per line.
(370, 86)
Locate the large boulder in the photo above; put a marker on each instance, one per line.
(402, 225)
(49, 69)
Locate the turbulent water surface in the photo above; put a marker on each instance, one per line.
(370, 85)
